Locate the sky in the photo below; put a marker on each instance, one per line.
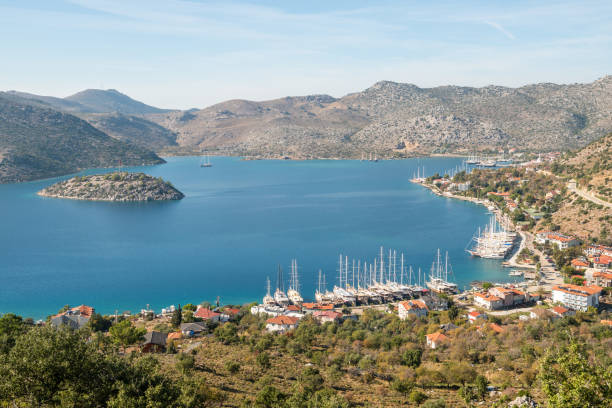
(191, 54)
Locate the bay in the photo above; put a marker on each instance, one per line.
(238, 222)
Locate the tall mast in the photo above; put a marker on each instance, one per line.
(340, 270)
(319, 281)
(375, 271)
(389, 267)
(268, 279)
(382, 265)
(354, 274)
(446, 268)
(394, 265)
(402, 271)
(346, 272)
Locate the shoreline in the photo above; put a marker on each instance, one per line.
(510, 262)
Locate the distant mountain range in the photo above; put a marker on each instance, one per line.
(388, 119)
(400, 119)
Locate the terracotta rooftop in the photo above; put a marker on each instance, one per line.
(436, 337)
(205, 313)
(283, 320)
(413, 304)
(559, 310)
(578, 290)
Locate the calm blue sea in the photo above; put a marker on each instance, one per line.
(238, 222)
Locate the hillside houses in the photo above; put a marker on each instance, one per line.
(555, 238)
(414, 307)
(576, 297)
(75, 318)
(281, 324)
(500, 298)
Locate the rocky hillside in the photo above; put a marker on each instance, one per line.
(114, 187)
(394, 119)
(37, 142)
(110, 100)
(133, 129)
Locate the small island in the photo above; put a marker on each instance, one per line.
(117, 186)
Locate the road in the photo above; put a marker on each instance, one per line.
(587, 196)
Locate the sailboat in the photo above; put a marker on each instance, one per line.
(206, 163)
(438, 278)
(268, 300)
(279, 296)
(293, 293)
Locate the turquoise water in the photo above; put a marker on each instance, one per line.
(239, 220)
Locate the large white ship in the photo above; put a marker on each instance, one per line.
(294, 286)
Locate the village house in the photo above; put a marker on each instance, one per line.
(602, 262)
(606, 322)
(228, 314)
(154, 342)
(207, 314)
(324, 316)
(281, 324)
(541, 313)
(192, 329)
(576, 297)
(475, 316)
(75, 318)
(488, 301)
(511, 297)
(415, 307)
(434, 340)
(555, 238)
(174, 336)
(597, 250)
(500, 297)
(599, 278)
(561, 311)
(580, 264)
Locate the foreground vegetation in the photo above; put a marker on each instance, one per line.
(376, 360)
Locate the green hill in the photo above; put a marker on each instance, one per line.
(37, 142)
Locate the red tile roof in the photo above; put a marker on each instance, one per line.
(175, 335)
(283, 320)
(559, 310)
(413, 304)
(578, 290)
(580, 262)
(327, 313)
(437, 337)
(496, 328)
(293, 308)
(231, 311)
(205, 313)
(475, 313)
(608, 322)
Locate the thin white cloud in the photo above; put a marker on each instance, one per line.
(501, 29)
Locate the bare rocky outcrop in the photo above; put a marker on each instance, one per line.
(118, 186)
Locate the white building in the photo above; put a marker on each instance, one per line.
(281, 324)
(576, 297)
(415, 307)
(562, 241)
(435, 339)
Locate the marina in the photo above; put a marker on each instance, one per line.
(265, 211)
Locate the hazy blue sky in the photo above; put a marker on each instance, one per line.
(182, 54)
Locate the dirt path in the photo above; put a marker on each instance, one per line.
(587, 196)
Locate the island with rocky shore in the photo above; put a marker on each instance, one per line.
(117, 186)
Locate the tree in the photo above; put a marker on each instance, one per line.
(184, 362)
(481, 383)
(232, 366)
(453, 312)
(417, 397)
(263, 360)
(402, 386)
(124, 334)
(487, 285)
(60, 367)
(11, 326)
(177, 317)
(99, 323)
(570, 380)
(310, 380)
(269, 397)
(412, 358)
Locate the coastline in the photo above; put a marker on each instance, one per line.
(510, 262)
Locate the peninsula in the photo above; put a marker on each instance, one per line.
(117, 186)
